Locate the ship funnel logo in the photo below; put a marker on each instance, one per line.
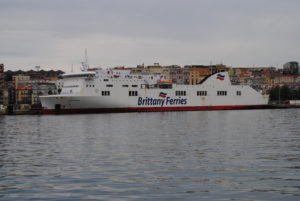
(162, 94)
(220, 77)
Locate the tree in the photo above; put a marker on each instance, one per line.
(274, 93)
(285, 93)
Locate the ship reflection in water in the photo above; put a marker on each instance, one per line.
(200, 155)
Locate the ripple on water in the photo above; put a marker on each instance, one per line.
(208, 155)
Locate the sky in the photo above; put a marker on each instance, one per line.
(239, 33)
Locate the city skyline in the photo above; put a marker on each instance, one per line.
(127, 33)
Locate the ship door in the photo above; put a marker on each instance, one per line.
(57, 107)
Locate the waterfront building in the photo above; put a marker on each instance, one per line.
(35, 75)
(23, 89)
(153, 69)
(291, 68)
(42, 87)
(242, 72)
(280, 80)
(9, 95)
(197, 74)
(1, 75)
(257, 77)
(179, 75)
(1, 84)
(172, 73)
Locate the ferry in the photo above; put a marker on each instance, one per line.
(105, 91)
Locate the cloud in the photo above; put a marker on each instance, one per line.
(117, 32)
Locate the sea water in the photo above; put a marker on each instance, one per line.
(201, 155)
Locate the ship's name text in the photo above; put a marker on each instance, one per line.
(161, 102)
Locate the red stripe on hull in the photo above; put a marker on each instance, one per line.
(152, 109)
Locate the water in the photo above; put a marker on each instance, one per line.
(209, 155)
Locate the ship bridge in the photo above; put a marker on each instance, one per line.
(79, 75)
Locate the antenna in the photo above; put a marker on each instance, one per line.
(85, 64)
(86, 58)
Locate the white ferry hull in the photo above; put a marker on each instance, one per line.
(86, 99)
(151, 109)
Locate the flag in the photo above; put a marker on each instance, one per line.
(162, 94)
(220, 77)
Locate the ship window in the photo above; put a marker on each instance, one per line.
(238, 93)
(105, 80)
(87, 85)
(165, 86)
(133, 93)
(222, 93)
(134, 85)
(180, 93)
(201, 93)
(125, 85)
(109, 85)
(105, 93)
(145, 86)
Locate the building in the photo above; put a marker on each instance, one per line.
(165, 72)
(242, 72)
(291, 68)
(190, 74)
(41, 87)
(9, 94)
(23, 89)
(154, 69)
(35, 75)
(2, 75)
(179, 75)
(198, 74)
(2, 86)
(284, 80)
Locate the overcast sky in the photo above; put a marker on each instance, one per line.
(53, 34)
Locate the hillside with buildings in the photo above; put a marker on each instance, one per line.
(23, 88)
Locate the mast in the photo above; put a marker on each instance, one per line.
(85, 64)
